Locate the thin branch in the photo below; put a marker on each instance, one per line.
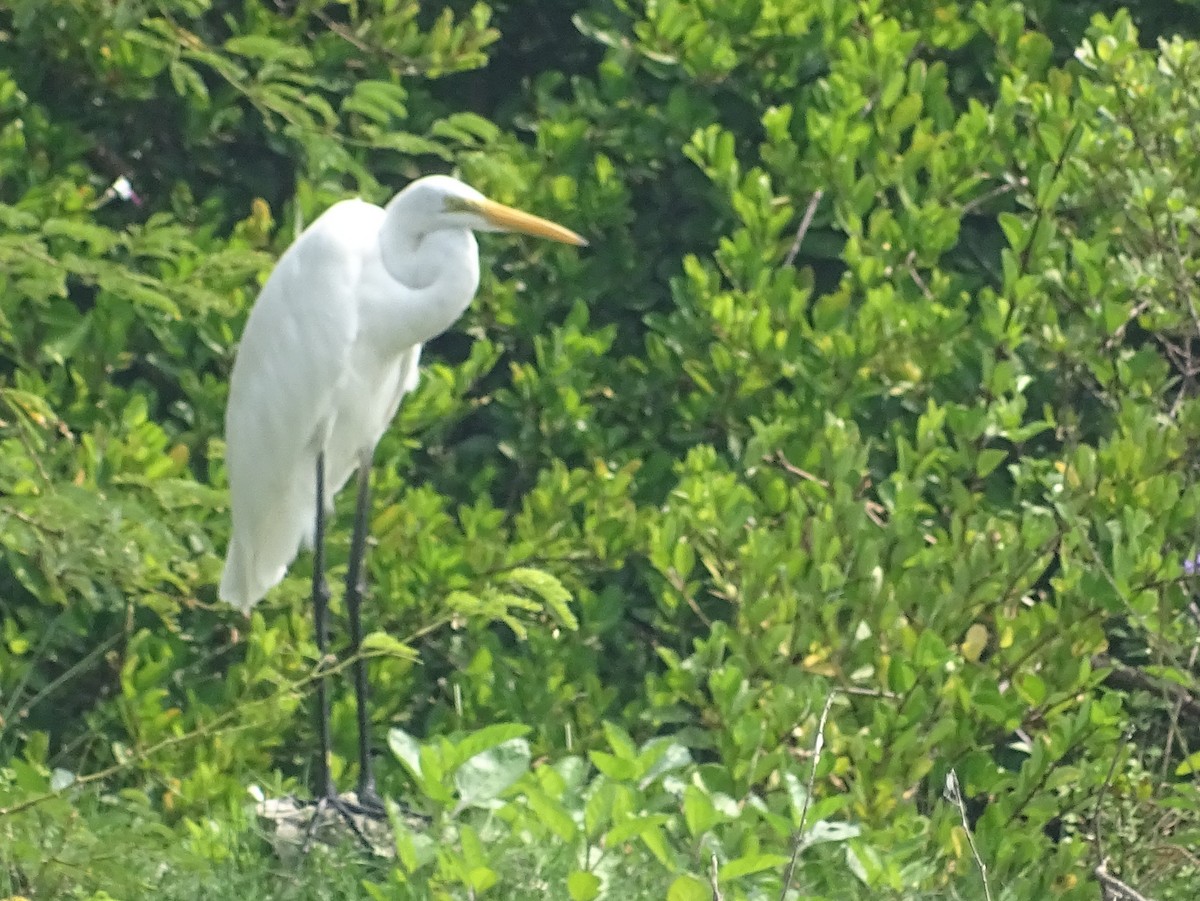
(790, 467)
(875, 511)
(216, 727)
(868, 692)
(955, 795)
(971, 205)
(1114, 888)
(1097, 826)
(1130, 678)
(100, 775)
(798, 841)
(916, 276)
(805, 222)
(31, 522)
(1173, 727)
(712, 877)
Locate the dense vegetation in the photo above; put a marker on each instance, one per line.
(827, 526)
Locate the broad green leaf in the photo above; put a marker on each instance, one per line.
(407, 750)
(488, 774)
(689, 888)
(754, 863)
(1189, 766)
(583, 886)
(698, 811)
(486, 738)
(635, 827)
(620, 742)
(383, 643)
(549, 589)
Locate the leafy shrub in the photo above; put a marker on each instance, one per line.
(852, 461)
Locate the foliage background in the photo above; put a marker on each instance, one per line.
(861, 441)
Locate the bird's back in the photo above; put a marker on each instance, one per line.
(292, 364)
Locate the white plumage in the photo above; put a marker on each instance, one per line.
(330, 349)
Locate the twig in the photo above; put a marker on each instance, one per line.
(916, 276)
(1175, 711)
(868, 692)
(716, 885)
(1114, 888)
(798, 841)
(955, 795)
(971, 205)
(407, 65)
(1130, 678)
(138, 757)
(805, 222)
(53, 685)
(216, 727)
(1097, 832)
(795, 470)
(874, 510)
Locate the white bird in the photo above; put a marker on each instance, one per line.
(329, 350)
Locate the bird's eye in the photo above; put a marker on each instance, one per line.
(460, 205)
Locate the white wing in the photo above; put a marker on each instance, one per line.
(288, 383)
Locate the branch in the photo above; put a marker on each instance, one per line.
(805, 222)
(217, 726)
(1130, 678)
(955, 795)
(1114, 889)
(798, 842)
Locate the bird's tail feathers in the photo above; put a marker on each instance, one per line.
(242, 584)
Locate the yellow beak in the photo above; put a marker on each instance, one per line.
(513, 220)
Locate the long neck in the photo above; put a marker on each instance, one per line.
(433, 275)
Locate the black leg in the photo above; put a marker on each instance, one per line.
(327, 795)
(320, 600)
(368, 796)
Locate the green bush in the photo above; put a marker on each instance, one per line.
(836, 508)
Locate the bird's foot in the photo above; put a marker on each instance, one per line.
(360, 816)
(368, 801)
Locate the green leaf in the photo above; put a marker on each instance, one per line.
(187, 81)
(481, 878)
(827, 831)
(381, 642)
(380, 101)
(414, 848)
(258, 46)
(1189, 766)
(635, 827)
(551, 591)
(906, 112)
(413, 145)
(486, 738)
(988, 460)
(620, 742)
(552, 814)
(699, 812)
(582, 886)
(1015, 230)
(407, 750)
(689, 888)
(98, 239)
(465, 128)
(668, 756)
(750, 864)
(485, 776)
(612, 766)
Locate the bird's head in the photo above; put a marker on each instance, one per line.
(446, 202)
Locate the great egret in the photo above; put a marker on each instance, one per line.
(330, 348)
